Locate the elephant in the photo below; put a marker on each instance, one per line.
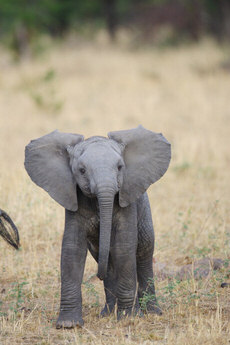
(101, 182)
(8, 230)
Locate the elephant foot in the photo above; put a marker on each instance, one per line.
(129, 312)
(154, 309)
(107, 310)
(69, 320)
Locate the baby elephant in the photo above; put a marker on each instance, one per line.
(102, 182)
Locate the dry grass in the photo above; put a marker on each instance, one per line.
(93, 89)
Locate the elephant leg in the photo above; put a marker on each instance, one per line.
(110, 293)
(74, 249)
(109, 286)
(126, 280)
(146, 287)
(123, 255)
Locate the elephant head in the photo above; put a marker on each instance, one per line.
(126, 162)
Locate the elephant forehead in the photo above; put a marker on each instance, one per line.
(100, 152)
(98, 146)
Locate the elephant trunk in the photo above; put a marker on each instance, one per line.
(105, 200)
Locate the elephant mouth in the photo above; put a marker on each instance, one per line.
(86, 192)
(89, 194)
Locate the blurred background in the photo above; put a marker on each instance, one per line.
(153, 21)
(91, 67)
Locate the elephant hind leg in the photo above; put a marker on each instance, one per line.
(110, 294)
(109, 287)
(93, 251)
(145, 248)
(146, 287)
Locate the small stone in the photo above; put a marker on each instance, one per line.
(224, 285)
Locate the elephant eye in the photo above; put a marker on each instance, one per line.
(82, 171)
(119, 167)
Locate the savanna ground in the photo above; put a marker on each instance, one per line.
(92, 89)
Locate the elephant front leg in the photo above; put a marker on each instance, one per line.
(125, 282)
(123, 254)
(74, 249)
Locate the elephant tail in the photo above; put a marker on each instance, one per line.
(8, 230)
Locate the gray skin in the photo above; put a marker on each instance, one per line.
(101, 182)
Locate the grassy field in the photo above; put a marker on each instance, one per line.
(92, 89)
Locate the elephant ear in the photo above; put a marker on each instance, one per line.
(47, 163)
(146, 156)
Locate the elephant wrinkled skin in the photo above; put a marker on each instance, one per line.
(102, 182)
